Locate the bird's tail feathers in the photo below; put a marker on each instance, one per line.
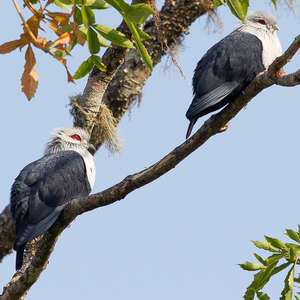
(192, 123)
(19, 257)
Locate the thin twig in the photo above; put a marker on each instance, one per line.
(24, 22)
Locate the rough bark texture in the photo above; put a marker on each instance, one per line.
(7, 232)
(90, 100)
(30, 271)
(175, 18)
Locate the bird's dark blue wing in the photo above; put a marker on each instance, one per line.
(224, 71)
(43, 188)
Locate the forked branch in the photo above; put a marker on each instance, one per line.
(30, 271)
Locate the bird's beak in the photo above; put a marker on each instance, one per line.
(276, 27)
(92, 148)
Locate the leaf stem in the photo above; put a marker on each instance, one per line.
(24, 22)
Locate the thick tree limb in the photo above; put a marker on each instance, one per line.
(175, 18)
(97, 83)
(30, 271)
(7, 232)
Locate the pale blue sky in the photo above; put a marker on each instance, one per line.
(182, 236)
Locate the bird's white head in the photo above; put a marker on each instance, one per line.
(75, 138)
(262, 20)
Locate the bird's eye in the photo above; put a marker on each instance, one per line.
(76, 137)
(261, 21)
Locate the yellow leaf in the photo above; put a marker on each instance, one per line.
(59, 17)
(52, 25)
(58, 48)
(65, 38)
(70, 77)
(25, 38)
(33, 23)
(10, 46)
(80, 39)
(41, 43)
(29, 81)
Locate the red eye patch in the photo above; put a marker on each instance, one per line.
(76, 137)
(261, 21)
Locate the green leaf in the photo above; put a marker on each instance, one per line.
(266, 275)
(77, 16)
(67, 28)
(265, 245)
(138, 13)
(293, 235)
(83, 69)
(276, 243)
(142, 49)
(145, 55)
(83, 31)
(60, 4)
(280, 268)
(296, 298)
(119, 5)
(274, 257)
(259, 258)
(260, 280)
(287, 292)
(93, 42)
(114, 36)
(88, 16)
(218, 3)
(96, 4)
(294, 252)
(98, 63)
(297, 279)
(67, 2)
(249, 266)
(102, 41)
(239, 8)
(274, 3)
(262, 296)
(250, 293)
(143, 35)
(60, 53)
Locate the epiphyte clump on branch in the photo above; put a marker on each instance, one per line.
(229, 66)
(45, 186)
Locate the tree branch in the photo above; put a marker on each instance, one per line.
(30, 271)
(175, 18)
(7, 232)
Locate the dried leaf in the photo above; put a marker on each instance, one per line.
(52, 25)
(80, 39)
(25, 40)
(29, 81)
(59, 17)
(70, 77)
(64, 39)
(41, 43)
(33, 23)
(10, 46)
